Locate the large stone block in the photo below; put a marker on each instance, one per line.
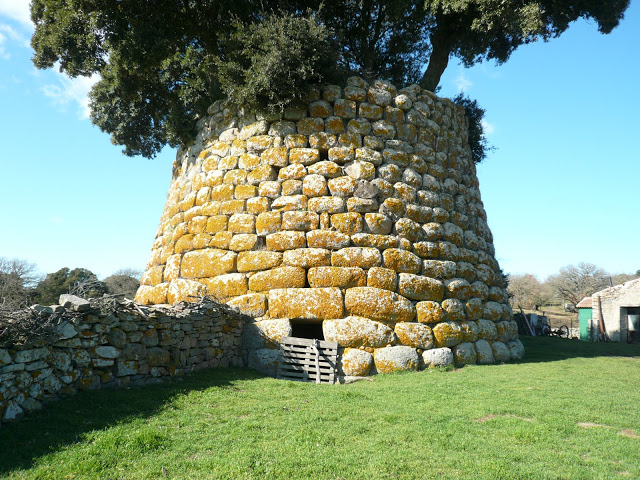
(342, 277)
(354, 331)
(307, 303)
(280, 277)
(327, 239)
(402, 261)
(364, 257)
(223, 287)
(484, 353)
(252, 304)
(207, 263)
(258, 260)
(414, 335)
(465, 354)
(287, 240)
(379, 304)
(437, 357)
(265, 333)
(447, 334)
(417, 287)
(307, 257)
(396, 358)
(183, 290)
(356, 362)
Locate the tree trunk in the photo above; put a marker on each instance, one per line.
(438, 61)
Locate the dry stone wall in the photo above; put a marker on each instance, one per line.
(360, 211)
(128, 346)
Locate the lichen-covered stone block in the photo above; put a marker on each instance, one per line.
(286, 240)
(342, 277)
(279, 277)
(226, 286)
(464, 354)
(356, 362)
(327, 239)
(437, 357)
(417, 287)
(353, 331)
(307, 303)
(402, 261)
(252, 304)
(307, 257)
(447, 334)
(379, 304)
(414, 335)
(207, 263)
(396, 358)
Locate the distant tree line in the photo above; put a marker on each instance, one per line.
(570, 285)
(21, 284)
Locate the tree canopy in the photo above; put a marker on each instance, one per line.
(163, 62)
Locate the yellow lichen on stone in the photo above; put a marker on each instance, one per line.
(447, 334)
(430, 312)
(278, 156)
(252, 304)
(280, 277)
(226, 286)
(216, 223)
(286, 240)
(303, 221)
(342, 277)
(417, 287)
(379, 304)
(327, 239)
(243, 241)
(268, 222)
(356, 362)
(354, 331)
(348, 223)
(304, 156)
(185, 290)
(402, 261)
(258, 260)
(207, 263)
(153, 276)
(414, 335)
(306, 303)
(384, 278)
(364, 257)
(307, 257)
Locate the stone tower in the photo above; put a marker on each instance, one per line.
(357, 219)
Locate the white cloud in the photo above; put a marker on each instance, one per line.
(488, 128)
(9, 34)
(71, 91)
(462, 82)
(17, 10)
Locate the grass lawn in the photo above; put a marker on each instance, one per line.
(571, 410)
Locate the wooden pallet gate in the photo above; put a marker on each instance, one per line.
(307, 360)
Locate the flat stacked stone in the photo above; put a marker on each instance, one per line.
(361, 212)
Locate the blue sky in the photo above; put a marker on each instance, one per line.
(561, 187)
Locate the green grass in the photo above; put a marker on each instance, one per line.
(481, 422)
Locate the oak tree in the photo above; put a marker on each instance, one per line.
(163, 62)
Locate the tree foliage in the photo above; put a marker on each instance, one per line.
(78, 281)
(526, 291)
(574, 282)
(162, 63)
(17, 280)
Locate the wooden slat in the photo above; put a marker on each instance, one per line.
(298, 360)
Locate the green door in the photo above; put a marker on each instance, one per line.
(584, 317)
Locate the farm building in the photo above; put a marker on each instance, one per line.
(616, 313)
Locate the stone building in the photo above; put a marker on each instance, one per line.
(617, 310)
(355, 219)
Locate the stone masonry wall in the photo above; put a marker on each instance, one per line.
(129, 346)
(360, 211)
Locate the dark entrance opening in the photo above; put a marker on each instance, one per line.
(301, 328)
(632, 317)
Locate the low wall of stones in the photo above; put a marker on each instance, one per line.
(131, 345)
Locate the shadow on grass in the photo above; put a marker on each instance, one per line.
(550, 349)
(65, 422)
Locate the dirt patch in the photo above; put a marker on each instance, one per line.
(629, 433)
(591, 425)
(506, 415)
